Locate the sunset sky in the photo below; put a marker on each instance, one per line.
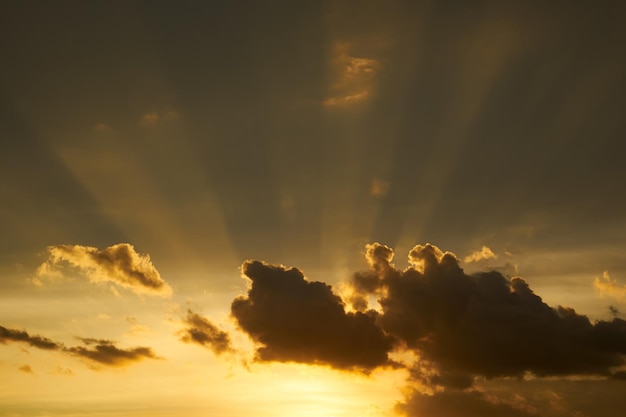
(312, 208)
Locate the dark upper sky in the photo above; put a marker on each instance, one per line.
(297, 131)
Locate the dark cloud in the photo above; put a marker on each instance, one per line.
(119, 263)
(296, 320)
(12, 335)
(106, 353)
(101, 351)
(201, 331)
(459, 404)
(485, 324)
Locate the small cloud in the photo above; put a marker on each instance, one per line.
(149, 119)
(355, 77)
(59, 370)
(119, 264)
(379, 188)
(103, 316)
(201, 331)
(26, 369)
(609, 287)
(483, 254)
(101, 127)
(105, 352)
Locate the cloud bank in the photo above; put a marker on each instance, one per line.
(119, 264)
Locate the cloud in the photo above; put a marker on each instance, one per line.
(609, 287)
(459, 404)
(119, 264)
(149, 119)
(97, 350)
(484, 324)
(12, 335)
(106, 353)
(201, 331)
(26, 369)
(296, 320)
(355, 77)
(484, 253)
(379, 188)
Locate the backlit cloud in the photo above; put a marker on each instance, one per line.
(296, 320)
(484, 253)
(609, 287)
(355, 77)
(201, 331)
(119, 264)
(454, 329)
(485, 324)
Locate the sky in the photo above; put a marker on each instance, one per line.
(314, 208)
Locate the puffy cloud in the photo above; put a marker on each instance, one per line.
(97, 350)
(296, 320)
(201, 331)
(119, 264)
(484, 253)
(484, 324)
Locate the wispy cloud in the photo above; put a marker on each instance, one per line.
(101, 351)
(609, 286)
(119, 264)
(355, 77)
(201, 331)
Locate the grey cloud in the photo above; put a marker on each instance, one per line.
(101, 351)
(201, 331)
(296, 320)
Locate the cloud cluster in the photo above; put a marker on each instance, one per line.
(296, 320)
(201, 331)
(484, 324)
(119, 264)
(101, 351)
(460, 328)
